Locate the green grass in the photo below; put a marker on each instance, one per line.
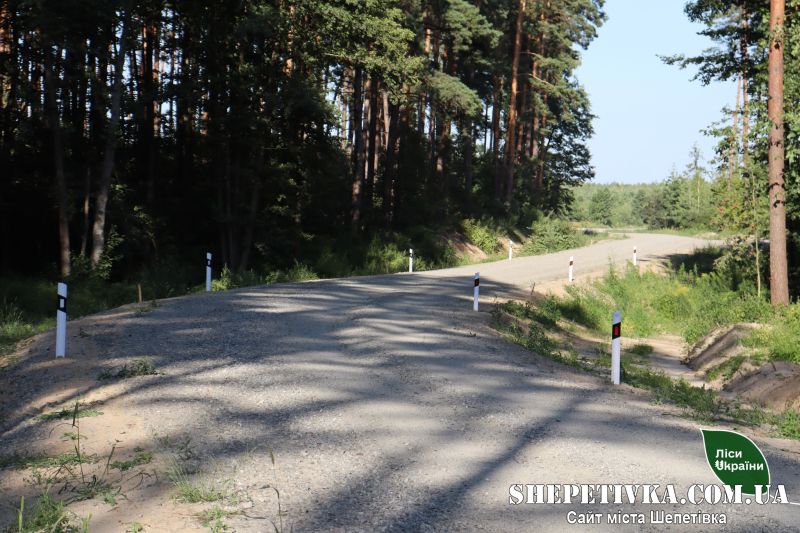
(66, 413)
(22, 461)
(140, 458)
(642, 350)
(788, 424)
(532, 336)
(546, 313)
(214, 519)
(48, 515)
(14, 326)
(138, 367)
(705, 404)
(192, 492)
(780, 341)
(726, 369)
(687, 304)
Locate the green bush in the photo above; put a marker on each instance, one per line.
(385, 258)
(299, 272)
(332, 264)
(552, 235)
(482, 234)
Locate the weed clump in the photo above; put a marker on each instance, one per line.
(139, 367)
(65, 413)
(191, 492)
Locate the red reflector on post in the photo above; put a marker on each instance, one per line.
(616, 331)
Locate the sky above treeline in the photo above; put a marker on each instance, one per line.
(649, 114)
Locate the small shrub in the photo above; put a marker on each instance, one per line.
(299, 272)
(214, 519)
(482, 234)
(385, 258)
(552, 235)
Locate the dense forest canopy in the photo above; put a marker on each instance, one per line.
(139, 130)
(143, 132)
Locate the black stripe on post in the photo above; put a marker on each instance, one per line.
(62, 304)
(616, 331)
(477, 281)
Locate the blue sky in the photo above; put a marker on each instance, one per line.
(648, 114)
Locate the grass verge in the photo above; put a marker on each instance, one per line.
(526, 324)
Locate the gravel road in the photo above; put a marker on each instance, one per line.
(391, 406)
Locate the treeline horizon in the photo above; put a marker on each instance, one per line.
(132, 131)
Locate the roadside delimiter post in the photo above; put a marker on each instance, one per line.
(571, 261)
(616, 333)
(476, 291)
(411, 260)
(208, 272)
(61, 321)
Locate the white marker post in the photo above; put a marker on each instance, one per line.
(410, 260)
(616, 332)
(208, 272)
(61, 321)
(571, 261)
(510, 249)
(476, 291)
(634, 256)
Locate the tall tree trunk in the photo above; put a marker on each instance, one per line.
(498, 177)
(372, 148)
(358, 150)
(51, 103)
(743, 44)
(511, 142)
(149, 82)
(779, 277)
(7, 74)
(542, 150)
(255, 194)
(104, 186)
(467, 135)
(389, 165)
(734, 148)
(442, 149)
